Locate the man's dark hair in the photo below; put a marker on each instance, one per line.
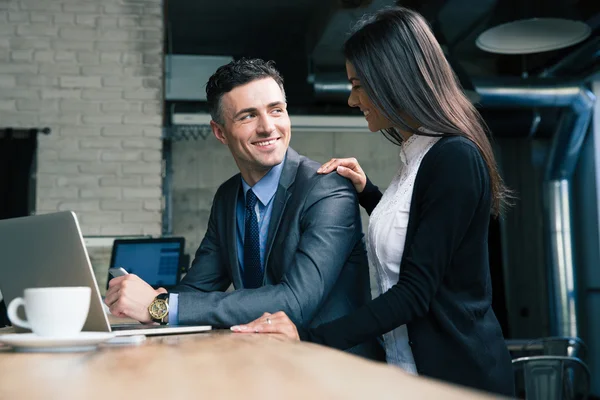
(234, 74)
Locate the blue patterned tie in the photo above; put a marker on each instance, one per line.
(253, 272)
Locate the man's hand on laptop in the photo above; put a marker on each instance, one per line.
(129, 296)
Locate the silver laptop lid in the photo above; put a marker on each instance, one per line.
(45, 251)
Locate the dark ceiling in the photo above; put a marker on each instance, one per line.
(305, 36)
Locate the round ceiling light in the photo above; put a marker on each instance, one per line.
(535, 35)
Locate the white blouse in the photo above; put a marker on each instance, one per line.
(387, 235)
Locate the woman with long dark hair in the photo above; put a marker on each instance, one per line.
(427, 236)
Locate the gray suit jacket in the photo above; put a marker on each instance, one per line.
(316, 267)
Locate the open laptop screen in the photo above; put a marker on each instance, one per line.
(156, 261)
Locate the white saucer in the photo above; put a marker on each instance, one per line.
(30, 342)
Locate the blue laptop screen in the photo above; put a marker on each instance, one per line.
(157, 263)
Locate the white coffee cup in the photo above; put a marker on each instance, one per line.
(54, 311)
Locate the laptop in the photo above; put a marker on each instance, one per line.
(48, 250)
(157, 261)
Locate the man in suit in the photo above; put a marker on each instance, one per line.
(287, 238)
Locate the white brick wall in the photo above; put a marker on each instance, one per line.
(91, 70)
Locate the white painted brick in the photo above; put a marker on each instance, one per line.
(44, 155)
(41, 106)
(107, 22)
(123, 9)
(58, 168)
(21, 93)
(64, 18)
(130, 181)
(153, 132)
(99, 168)
(122, 106)
(36, 80)
(112, 57)
(87, 58)
(61, 44)
(78, 33)
(115, 46)
(79, 105)
(152, 35)
(46, 205)
(120, 35)
(152, 108)
(15, 68)
(43, 56)
(144, 70)
(142, 119)
(123, 155)
(59, 143)
(37, 30)
(131, 58)
(152, 180)
(101, 193)
(142, 193)
(60, 193)
(45, 180)
(142, 168)
(24, 43)
(60, 93)
(86, 20)
(8, 105)
(147, 216)
(123, 131)
(101, 217)
(18, 16)
(77, 131)
(81, 8)
(65, 56)
(7, 29)
(58, 69)
(60, 119)
(142, 143)
(124, 82)
(141, 94)
(102, 94)
(152, 155)
(21, 55)
(89, 143)
(9, 5)
(39, 17)
(102, 70)
(104, 119)
(81, 155)
(121, 229)
(77, 66)
(152, 205)
(121, 205)
(80, 82)
(79, 206)
(40, 6)
(81, 181)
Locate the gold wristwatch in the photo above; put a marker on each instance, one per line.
(159, 308)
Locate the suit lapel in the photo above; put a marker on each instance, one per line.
(231, 229)
(288, 175)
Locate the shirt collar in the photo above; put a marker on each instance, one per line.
(413, 146)
(267, 186)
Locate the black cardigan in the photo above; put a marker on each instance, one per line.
(444, 292)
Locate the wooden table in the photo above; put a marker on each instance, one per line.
(217, 364)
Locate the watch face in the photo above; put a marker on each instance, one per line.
(158, 309)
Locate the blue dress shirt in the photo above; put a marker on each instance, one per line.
(265, 192)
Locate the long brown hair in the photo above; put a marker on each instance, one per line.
(403, 70)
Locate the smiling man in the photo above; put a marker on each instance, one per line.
(287, 238)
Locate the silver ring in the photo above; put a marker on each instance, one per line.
(268, 320)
